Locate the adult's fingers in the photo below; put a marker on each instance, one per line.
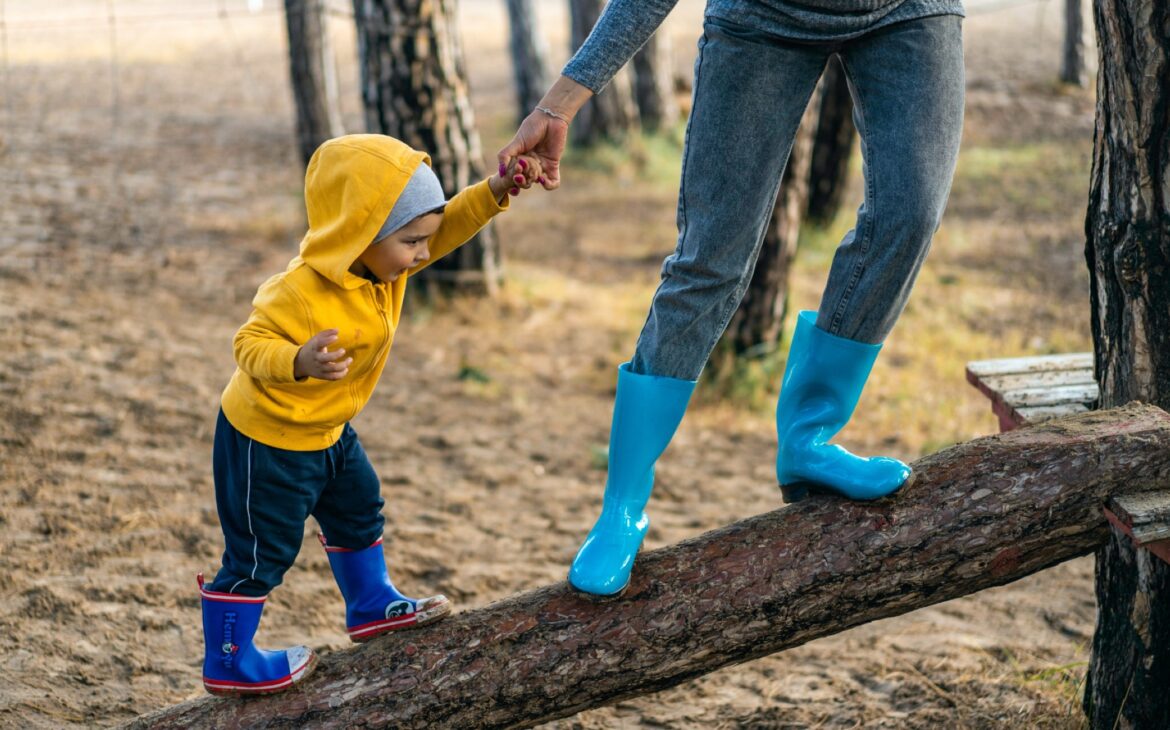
(531, 132)
(521, 181)
(510, 151)
(551, 179)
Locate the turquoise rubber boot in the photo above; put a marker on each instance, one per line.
(823, 380)
(646, 412)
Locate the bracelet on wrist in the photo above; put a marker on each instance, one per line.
(551, 113)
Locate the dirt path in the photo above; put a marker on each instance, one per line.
(128, 255)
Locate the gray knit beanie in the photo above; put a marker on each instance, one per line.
(422, 194)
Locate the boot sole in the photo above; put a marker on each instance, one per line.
(798, 491)
(422, 618)
(793, 493)
(598, 598)
(285, 684)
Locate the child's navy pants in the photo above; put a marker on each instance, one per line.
(265, 494)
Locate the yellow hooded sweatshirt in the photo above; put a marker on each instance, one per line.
(351, 185)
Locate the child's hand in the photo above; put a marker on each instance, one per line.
(315, 361)
(523, 174)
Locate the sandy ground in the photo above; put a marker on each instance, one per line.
(133, 234)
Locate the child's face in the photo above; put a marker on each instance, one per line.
(403, 249)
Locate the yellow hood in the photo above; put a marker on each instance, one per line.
(351, 186)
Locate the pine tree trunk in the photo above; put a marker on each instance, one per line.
(611, 114)
(832, 146)
(1128, 253)
(979, 514)
(653, 87)
(414, 87)
(528, 56)
(1072, 67)
(757, 324)
(314, 75)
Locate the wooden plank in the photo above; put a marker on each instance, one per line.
(1025, 390)
(1045, 396)
(1008, 418)
(1052, 378)
(1044, 413)
(1036, 364)
(1157, 548)
(1146, 514)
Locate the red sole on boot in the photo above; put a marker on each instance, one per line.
(238, 689)
(365, 632)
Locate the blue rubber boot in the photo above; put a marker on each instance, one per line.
(823, 380)
(646, 412)
(232, 665)
(373, 606)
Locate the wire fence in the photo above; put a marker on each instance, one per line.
(133, 19)
(252, 8)
(126, 15)
(86, 119)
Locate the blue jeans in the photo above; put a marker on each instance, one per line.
(750, 91)
(264, 495)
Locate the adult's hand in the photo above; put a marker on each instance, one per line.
(543, 135)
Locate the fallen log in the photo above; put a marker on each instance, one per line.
(979, 514)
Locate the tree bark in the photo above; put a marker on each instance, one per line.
(528, 56)
(610, 114)
(653, 84)
(314, 75)
(979, 514)
(759, 320)
(832, 146)
(414, 87)
(1128, 253)
(1072, 65)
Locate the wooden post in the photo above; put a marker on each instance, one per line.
(978, 515)
(832, 146)
(313, 73)
(1128, 252)
(610, 114)
(653, 84)
(528, 56)
(1072, 64)
(414, 88)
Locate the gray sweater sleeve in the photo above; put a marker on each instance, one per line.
(620, 31)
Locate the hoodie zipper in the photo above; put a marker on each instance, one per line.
(380, 304)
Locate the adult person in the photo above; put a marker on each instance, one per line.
(757, 66)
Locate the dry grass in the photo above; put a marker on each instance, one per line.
(130, 245)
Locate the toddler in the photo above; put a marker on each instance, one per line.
(308, 359)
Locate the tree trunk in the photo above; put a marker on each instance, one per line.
(653, 84)
(610, 114)
(979, 514)
(414, 87)
(1072, 66)
(1128, 254)
(528, 56)
(314, 75)
(832, 146)
(757, 324)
